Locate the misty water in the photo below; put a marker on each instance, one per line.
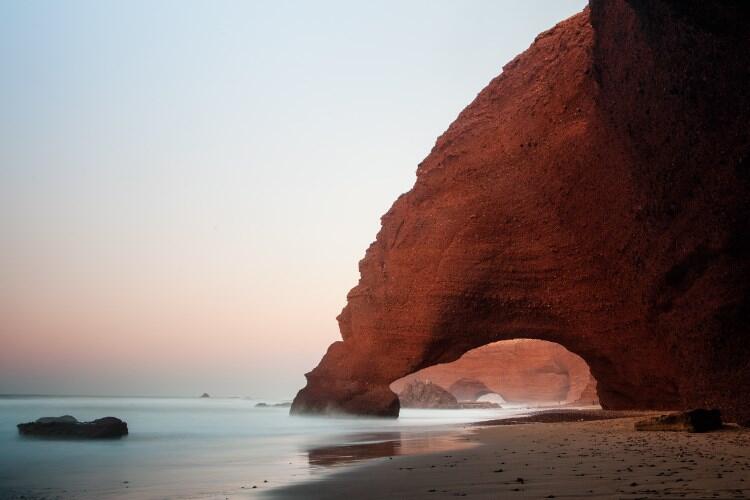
(204, 448)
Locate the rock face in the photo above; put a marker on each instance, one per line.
(588, 395)
(418, 394)
(68, 427)
(521, 371)
(688, 421)
(595, 194)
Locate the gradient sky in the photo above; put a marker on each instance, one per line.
(186, 187)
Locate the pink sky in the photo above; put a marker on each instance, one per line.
(185, 192)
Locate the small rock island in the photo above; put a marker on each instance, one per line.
(285, 404)
(68, 427)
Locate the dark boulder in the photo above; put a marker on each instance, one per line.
(687, 421)
(68, 427)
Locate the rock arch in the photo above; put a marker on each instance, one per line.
(521, 371)
(466, 389)
(595, 194)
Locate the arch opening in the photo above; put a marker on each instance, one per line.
(509, 373)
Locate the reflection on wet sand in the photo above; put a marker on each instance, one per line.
(386, 444)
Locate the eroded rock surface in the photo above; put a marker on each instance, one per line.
(595, 194)
(425, 394)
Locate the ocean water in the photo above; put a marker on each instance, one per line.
(204, 448)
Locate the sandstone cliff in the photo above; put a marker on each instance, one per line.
(595, 194)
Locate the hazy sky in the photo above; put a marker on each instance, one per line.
(186, 187)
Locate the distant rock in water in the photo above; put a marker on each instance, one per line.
(492, 398)
(205, 395)
(477, 405)
(286, 404)
(688, 421)
(68, 427)
(418, 394)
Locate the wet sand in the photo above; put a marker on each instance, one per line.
(565, 415)
(562, 459)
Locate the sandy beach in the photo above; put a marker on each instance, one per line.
(587, 459)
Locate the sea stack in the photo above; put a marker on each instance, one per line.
(595, 194)
(425, 394)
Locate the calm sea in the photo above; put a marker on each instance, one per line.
(203, 448)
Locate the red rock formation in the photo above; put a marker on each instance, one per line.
(595, 194)
(521, 371)
(588, 396)
(425, 394)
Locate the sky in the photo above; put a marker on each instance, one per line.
(186, 187)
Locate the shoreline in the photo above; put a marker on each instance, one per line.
(562, 415)
(594, 458)
(205, 448)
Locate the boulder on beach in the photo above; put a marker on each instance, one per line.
(420, 394)
(68, 427)
(688, 421)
